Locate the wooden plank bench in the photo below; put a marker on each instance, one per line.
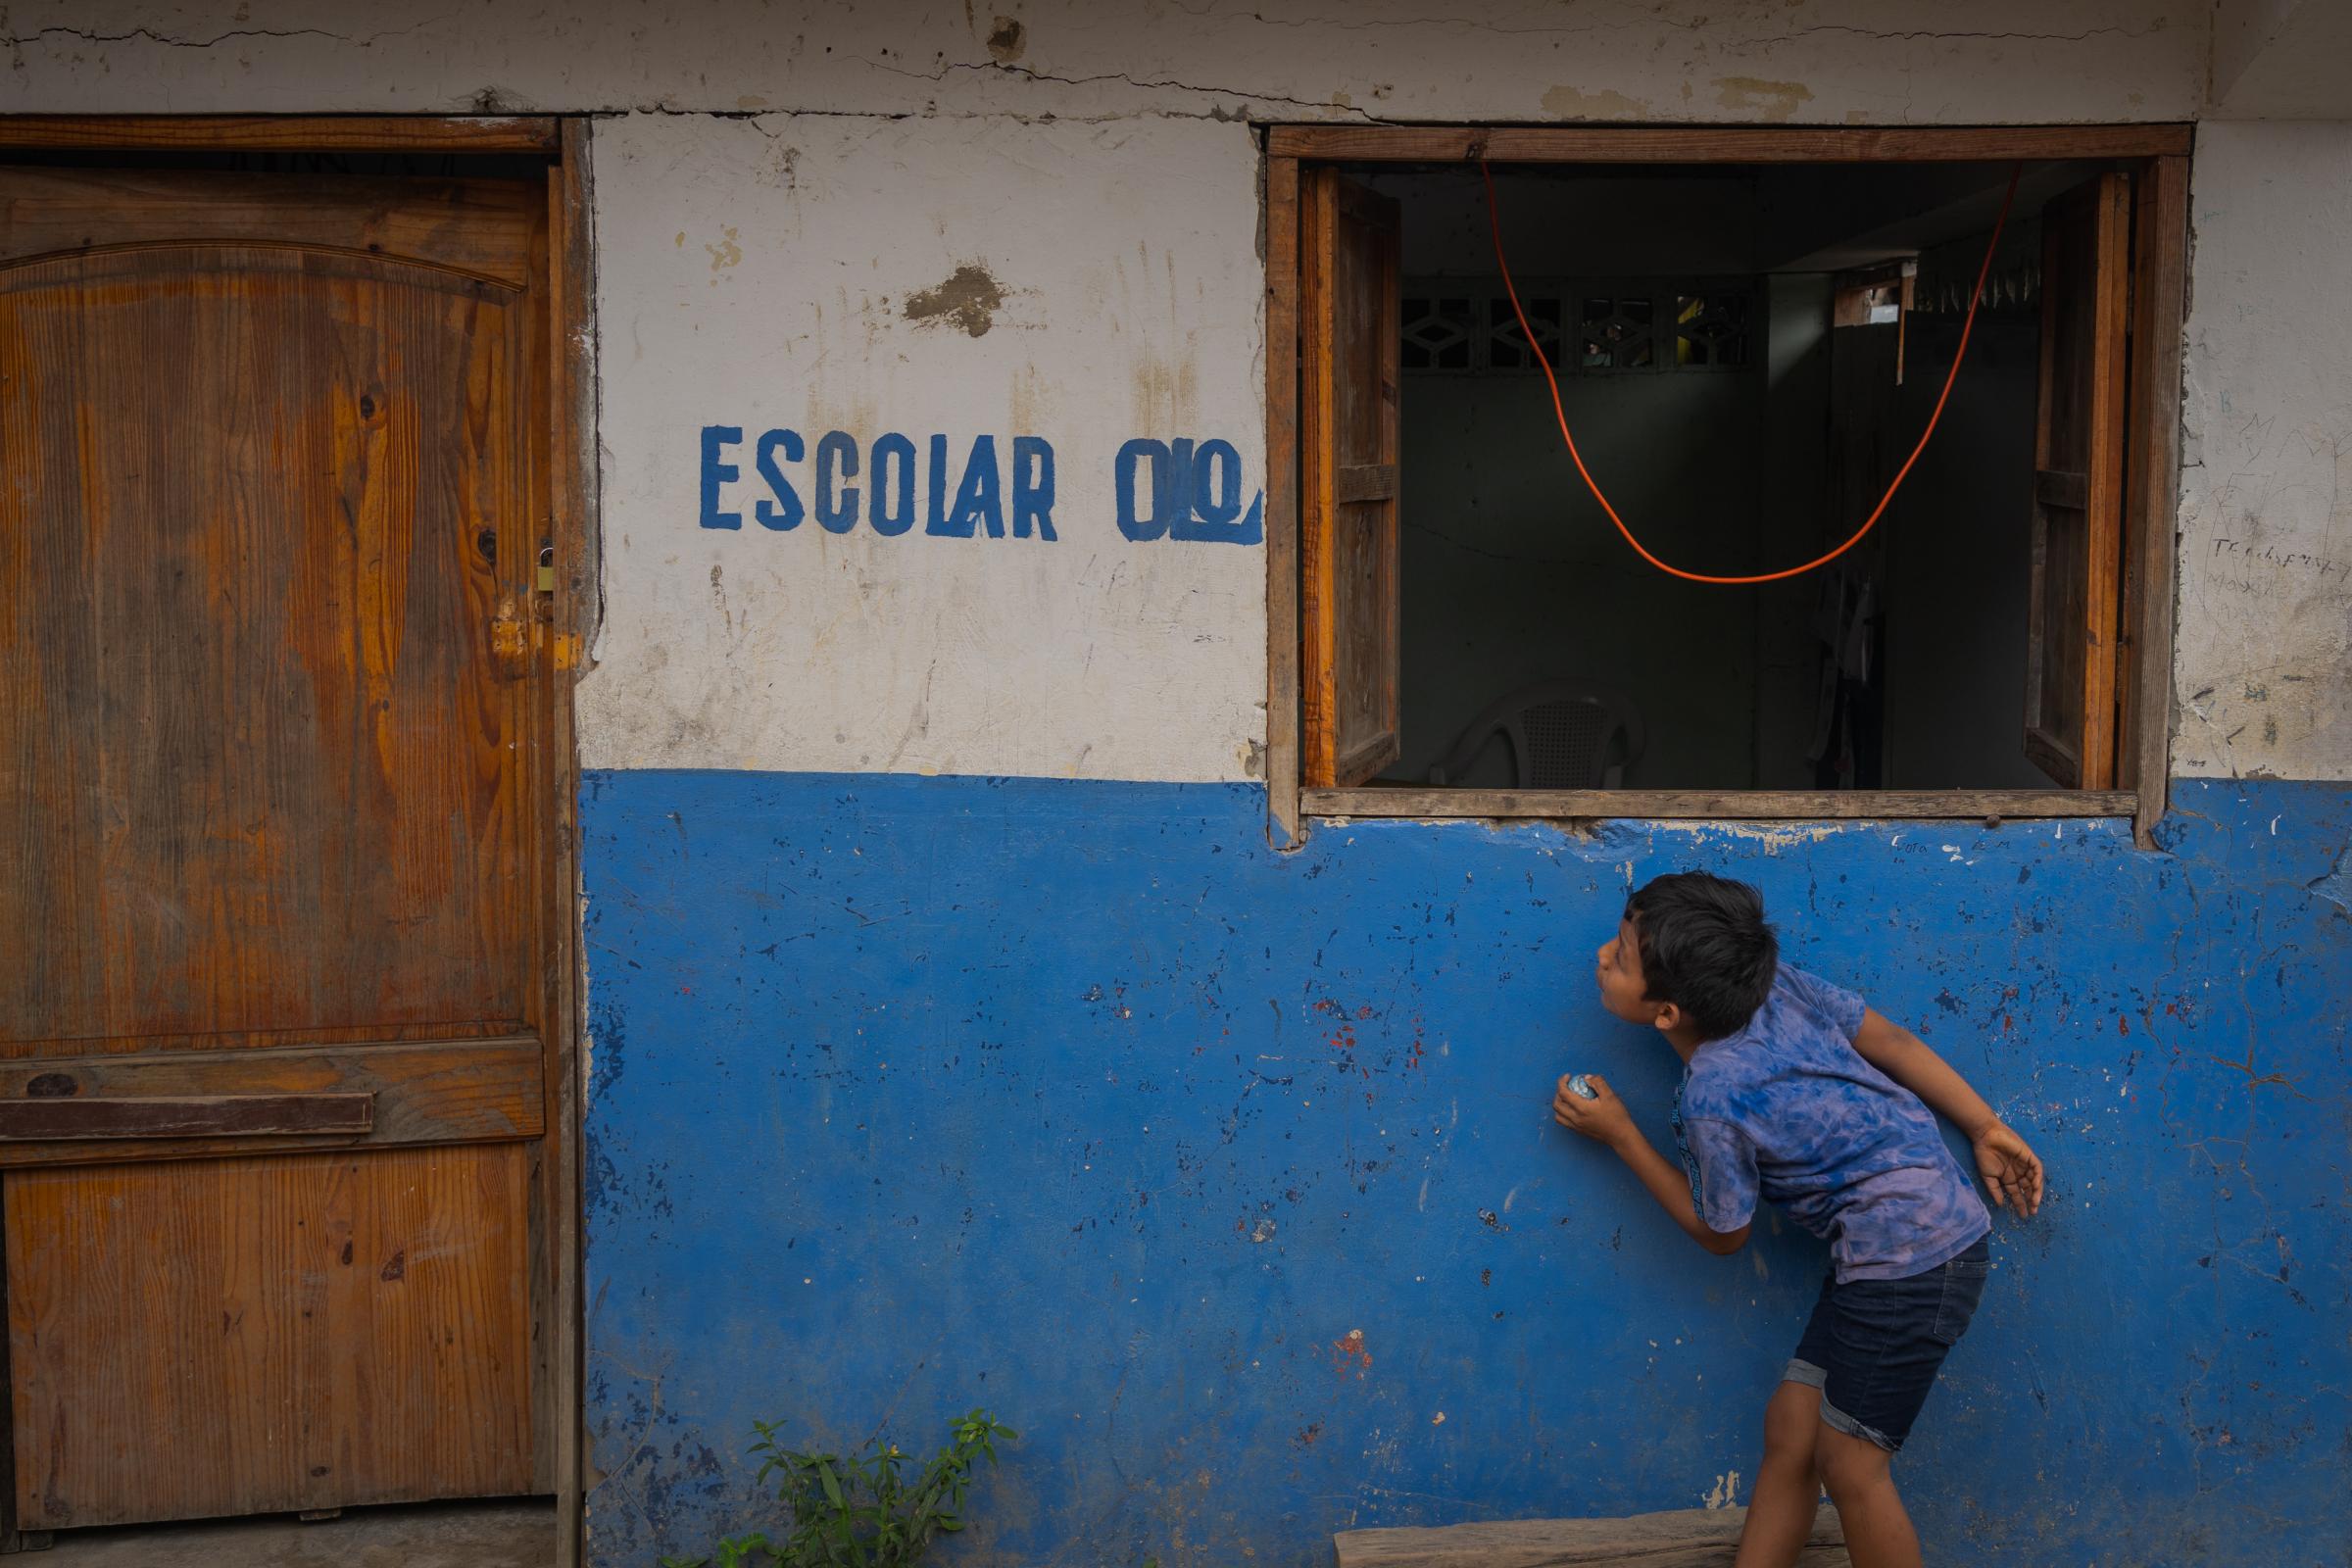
(1687, 1538)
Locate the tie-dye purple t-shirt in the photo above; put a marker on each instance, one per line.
(1787, 1110)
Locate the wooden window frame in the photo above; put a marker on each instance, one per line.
(2151, 481)
(573, 526)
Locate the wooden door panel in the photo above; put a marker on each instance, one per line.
(275, 488)
(2071, 606)
(1366, 678)
(486, 228)
(1349, 446)
(267, 1334)
(253, 565)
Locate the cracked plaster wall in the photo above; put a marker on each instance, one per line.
(1812, 61)
(1225, 1174)
(2265, 514)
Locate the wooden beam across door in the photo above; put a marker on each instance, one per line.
(335, 133)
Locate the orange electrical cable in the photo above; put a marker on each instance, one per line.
(1495, 222)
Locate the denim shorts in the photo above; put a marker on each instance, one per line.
(1873, 1346)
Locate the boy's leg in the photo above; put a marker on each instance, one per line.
(1876, 1346)
(1788, 1489)
(1878, 1532)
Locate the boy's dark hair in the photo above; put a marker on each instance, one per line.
(1705, 947)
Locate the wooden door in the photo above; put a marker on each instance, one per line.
(272, 1092)
(1349, 249)
(2072, 607)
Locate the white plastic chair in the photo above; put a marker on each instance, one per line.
(1561, 737)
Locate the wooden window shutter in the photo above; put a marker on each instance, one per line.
(1350, 254)
(2072, 614)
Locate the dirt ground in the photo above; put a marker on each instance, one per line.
(511, 1534)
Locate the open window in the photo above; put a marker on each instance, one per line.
(1746, 349)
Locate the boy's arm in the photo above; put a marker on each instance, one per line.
(1605, 1121)
(2011, 1170)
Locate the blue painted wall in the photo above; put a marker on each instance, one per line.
(1228, 1176)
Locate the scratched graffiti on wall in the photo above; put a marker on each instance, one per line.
(1181, 490)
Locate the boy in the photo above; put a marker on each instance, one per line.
(1795, 1092)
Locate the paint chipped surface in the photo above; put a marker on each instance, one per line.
(1772, 101)
(1775, 837)
(2335, 884)
(907, 1036)
(1599, 103)
(727, 252)
(2264, 618)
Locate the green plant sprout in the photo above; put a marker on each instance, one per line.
(860, 1511)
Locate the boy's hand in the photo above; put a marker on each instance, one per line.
(2012, 1171)
(1602, 1119)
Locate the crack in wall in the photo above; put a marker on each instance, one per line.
(1962, 37)
(1693, 24)
(150, 36)
(1162, 86)
(756, 116)
(1336, 106)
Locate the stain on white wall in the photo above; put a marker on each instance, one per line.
(995, 295)
(2262, 677)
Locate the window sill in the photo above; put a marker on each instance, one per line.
(1720, 805)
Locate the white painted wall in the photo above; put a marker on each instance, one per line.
(757, 272)
(2261, 680)
(1095, 161)
(2280, 60)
